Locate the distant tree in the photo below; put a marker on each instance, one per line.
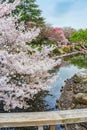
(56, 35)
(79, 37)
(29, 12)
(50, 35)
(68, 31)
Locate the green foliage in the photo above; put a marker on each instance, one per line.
(79, 60)
(29, 11)
(79, 37)
(42, 41)
(39, 49)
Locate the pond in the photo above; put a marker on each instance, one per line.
(47, 100)
(70, 66)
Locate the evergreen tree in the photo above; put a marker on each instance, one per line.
(29, 12)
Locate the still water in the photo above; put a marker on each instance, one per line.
(63, 73)
(70, 66)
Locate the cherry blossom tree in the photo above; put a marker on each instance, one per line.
(57, 35)
(54, 35)
(6, 8)
(22, 75)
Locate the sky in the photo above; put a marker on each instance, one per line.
(64, 13)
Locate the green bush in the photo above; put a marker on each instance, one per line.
(79, 37)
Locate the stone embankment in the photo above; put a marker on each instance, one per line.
(74, 96)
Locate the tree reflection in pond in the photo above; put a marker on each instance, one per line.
(70, 66)
(36, 104)
(78, 60)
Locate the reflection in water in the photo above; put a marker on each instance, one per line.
(80, 61)
(63, 73)
(46, 100)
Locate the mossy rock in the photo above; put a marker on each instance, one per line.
(80, 77)
(67, 49)
(58, 51)
(81, 98)
(76, 79)
(71, 49)
(78, 48)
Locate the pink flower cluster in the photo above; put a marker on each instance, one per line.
(59, 32)
(6, 8)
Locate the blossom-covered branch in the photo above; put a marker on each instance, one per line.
(6, 8)
(21, 75)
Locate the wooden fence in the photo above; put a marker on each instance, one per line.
(41, 119)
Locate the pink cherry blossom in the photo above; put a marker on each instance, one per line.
(22, 75)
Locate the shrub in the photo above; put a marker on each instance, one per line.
(79, 37)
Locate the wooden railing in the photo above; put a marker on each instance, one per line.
(40, 119)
